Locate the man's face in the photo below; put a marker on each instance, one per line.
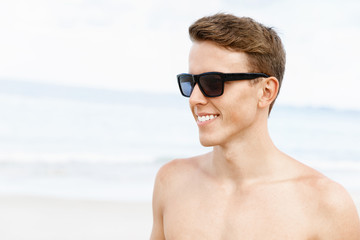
(232, 114)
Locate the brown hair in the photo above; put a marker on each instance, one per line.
(263, 46)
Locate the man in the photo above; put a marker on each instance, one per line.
(245, 188)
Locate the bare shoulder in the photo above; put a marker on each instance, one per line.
(337, 207)
(178, 170)
(178, 173)
(332, 206)
(170, 180)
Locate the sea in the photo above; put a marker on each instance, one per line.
(100, 144)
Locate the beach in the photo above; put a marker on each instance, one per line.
(44, 218)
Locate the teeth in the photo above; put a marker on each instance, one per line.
(206, 118)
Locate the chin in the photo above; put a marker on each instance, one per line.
(207, 144)
(209, 141)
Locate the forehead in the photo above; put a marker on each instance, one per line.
(206, 56)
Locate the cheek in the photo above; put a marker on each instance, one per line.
(239, 104)
(243, 108)
(242, 114)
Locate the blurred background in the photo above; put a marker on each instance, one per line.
(90, 108)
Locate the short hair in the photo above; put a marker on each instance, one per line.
(262, 44)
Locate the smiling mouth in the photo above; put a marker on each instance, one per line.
(206, 118)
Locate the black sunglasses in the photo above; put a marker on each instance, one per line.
(211, 84)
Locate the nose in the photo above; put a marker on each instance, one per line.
(197, 97)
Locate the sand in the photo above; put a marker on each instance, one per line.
(43, 218)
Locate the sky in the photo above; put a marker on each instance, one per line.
(141, 45)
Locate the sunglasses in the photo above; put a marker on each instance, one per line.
(211, 84)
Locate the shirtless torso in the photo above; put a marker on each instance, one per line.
(190, 203)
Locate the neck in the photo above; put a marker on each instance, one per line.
(250, 157)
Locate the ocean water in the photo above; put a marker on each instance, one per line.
(74, 142)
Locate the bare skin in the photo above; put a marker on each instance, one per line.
(245, 188)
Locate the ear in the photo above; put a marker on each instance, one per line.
(268, 92)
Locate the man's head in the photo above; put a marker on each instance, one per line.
(261, 44)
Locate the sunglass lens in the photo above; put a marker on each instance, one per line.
(186, 84)
(212, 85)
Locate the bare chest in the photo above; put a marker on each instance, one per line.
(212, 216)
